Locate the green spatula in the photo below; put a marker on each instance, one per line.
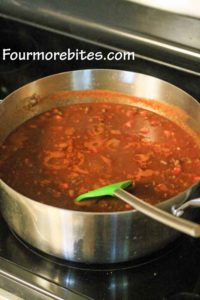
(107, 190)
(117, 190)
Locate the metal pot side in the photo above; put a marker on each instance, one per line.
(81, 236)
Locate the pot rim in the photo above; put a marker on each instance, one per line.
(98, 70)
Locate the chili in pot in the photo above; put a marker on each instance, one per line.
(69, 150)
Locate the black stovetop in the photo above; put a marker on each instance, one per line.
(172, 273)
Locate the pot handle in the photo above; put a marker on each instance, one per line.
(179, 210)
(159, 215)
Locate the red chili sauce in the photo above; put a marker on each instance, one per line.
(70, 150)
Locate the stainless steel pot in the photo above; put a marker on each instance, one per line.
(84, 236)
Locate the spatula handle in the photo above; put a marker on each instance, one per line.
(159, 215)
